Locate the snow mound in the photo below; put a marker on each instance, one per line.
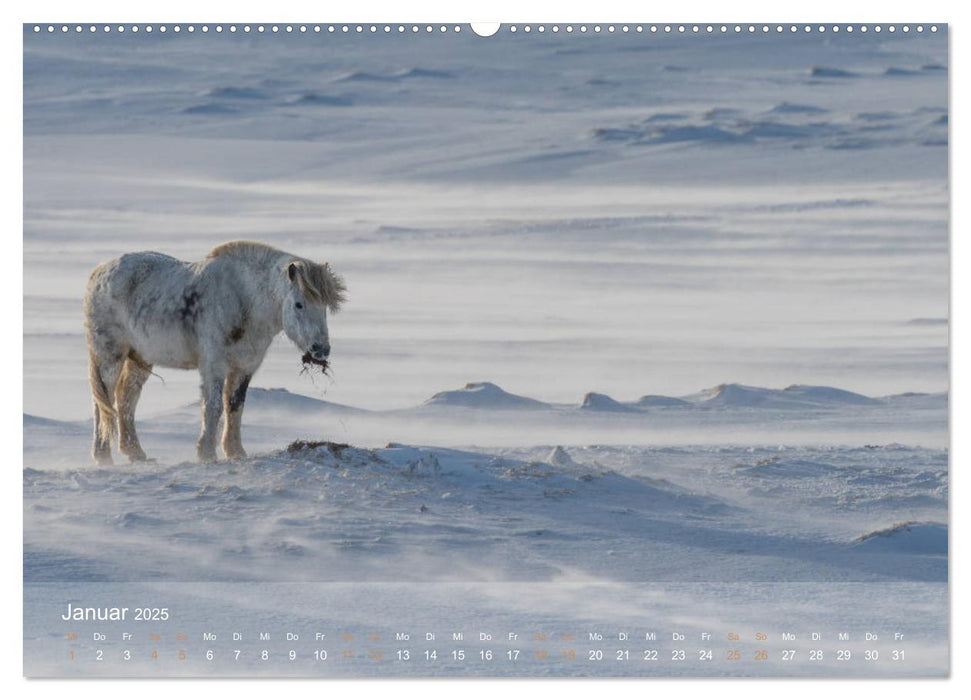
(828, 395)
(559, 457)
(483, 395)
(601, 402)
(658, 400)
(792, 397)
(738, 395)
(31, 421)
(277, 399)
(910, 537)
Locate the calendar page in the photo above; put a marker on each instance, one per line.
(534, 350)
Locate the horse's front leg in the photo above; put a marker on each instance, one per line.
(234, 396)
(213, 381)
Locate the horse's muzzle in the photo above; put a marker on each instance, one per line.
(309, 359)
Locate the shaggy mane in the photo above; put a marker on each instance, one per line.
(243, 249)
(318, 283)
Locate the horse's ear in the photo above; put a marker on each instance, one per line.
(292, 271)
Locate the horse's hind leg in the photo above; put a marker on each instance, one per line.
(133, 377)
(103, 372)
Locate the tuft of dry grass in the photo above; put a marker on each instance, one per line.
(310, 363)
(300, 445)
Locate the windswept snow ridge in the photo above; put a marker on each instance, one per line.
(330, 511)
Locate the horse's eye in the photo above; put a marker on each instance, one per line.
(299, 305)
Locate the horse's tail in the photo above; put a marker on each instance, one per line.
(107, 416)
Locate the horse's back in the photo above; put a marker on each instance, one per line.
(125, 273)
(139, 300)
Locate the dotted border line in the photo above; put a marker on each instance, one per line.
(456, 29)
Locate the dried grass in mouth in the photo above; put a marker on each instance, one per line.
(310, 363)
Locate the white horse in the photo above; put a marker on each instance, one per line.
(218, 315)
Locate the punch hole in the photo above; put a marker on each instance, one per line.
(485, 28)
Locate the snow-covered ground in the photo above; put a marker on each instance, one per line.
(567, 238)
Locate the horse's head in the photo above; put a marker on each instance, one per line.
(313, 289)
